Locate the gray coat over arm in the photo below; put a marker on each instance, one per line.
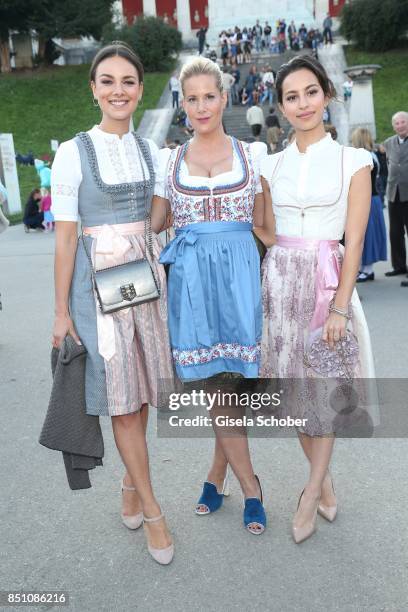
(67, 427)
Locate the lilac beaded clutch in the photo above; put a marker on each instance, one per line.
(337, 362)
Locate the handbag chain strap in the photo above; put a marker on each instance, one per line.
(148, 238)
(147, 218)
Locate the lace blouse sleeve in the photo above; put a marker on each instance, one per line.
(66, 177)
(258, 152)
(160, 188)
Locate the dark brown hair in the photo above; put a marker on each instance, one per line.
(34, 192)
(117, 49)
(332, 130)
(310, 63)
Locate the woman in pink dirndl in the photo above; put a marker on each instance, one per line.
(319, 190)
(106, 178)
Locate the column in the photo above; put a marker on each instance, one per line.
(8, 173)
(361, 110)
(183, 18)
(322, 8)
(212, 12)
(149, 8)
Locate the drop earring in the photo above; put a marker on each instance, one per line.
(95, 100)
(140, 103)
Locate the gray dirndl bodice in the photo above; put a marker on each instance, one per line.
(99, 204)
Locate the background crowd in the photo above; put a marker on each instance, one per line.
(236, 45)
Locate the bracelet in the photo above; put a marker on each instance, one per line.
(343, 313)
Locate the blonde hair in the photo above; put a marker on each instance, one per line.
(361, 139)
(199, 66)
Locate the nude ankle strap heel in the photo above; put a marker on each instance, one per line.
(164, 556)
(130, 521)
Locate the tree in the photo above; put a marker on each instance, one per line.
(154, 41)
(50, 18)
(13, 16)
(74, 18)
(375, 25)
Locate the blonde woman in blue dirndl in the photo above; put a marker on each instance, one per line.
(211, 184)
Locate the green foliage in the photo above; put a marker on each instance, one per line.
(13, 15)
(390, 84)
(375, 25)
(74, 18)
(15, 218)
(55, 103)
(51, 18)
(154, 41)
(55, 17)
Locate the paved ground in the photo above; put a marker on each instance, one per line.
(53, 538)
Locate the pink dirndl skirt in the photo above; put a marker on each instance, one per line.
(294, 273)
(134, 342)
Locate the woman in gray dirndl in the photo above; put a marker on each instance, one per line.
(106, 177)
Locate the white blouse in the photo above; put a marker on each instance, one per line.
(310, 190)
(118, 162)
(258, 151)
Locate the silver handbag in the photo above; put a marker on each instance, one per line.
(130, 283)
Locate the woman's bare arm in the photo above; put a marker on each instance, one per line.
(160, 214)
(65, 249)
(264, 220)
(358, 210)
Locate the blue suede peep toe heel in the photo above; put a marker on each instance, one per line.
(211, 500)
(254, 513)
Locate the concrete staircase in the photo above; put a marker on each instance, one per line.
(235, 118)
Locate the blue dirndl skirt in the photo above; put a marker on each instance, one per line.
(375, 240)
(214, 300)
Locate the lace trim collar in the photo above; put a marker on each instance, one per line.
(86, 140)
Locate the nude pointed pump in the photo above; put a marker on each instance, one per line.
(130, 521)
(302, 533)
(164, 556)
(328, 512)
